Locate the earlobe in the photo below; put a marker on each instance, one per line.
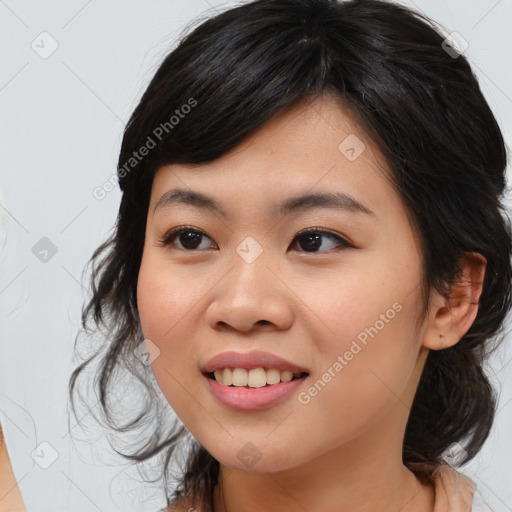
(450, 319)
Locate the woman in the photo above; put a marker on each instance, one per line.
(312, 250)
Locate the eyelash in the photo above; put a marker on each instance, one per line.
(175, 232)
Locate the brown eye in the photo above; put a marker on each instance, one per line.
(189, 237)
(311, 240)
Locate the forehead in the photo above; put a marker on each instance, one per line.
(312, 146)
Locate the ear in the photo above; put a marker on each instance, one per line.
(449, 319)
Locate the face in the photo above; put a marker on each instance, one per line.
(332, 288)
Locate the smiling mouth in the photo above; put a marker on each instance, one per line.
(211, 375)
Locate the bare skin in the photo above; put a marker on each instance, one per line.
(342, 450)
(10, 496)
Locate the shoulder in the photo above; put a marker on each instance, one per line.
(10, 495)
(453, 490)
(457, 491)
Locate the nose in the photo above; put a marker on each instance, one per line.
(251, 295)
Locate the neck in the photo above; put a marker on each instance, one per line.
(390, 490)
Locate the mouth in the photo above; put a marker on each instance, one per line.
(274, 379)
(253, 389)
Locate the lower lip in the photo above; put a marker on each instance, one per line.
(250, 399)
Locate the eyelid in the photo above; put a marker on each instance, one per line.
(165, 240)
(324, 231)
(345, 243)
(327, 232)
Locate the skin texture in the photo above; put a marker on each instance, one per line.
(342, 450)
(10, 496)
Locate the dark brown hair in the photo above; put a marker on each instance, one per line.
(419, 102)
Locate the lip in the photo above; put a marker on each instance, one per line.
(250, 360)
(250, 399)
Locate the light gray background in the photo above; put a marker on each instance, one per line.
(61, 124)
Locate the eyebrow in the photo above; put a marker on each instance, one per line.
(306, 201)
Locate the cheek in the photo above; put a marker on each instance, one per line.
(372, 310)
(163, 306)
(165, 297)
(157, 306)
(368, 349)
(169, 301)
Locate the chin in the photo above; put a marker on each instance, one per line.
(252, 460)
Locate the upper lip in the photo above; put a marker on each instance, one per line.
(249, 360)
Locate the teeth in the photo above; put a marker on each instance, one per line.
(255, 378)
